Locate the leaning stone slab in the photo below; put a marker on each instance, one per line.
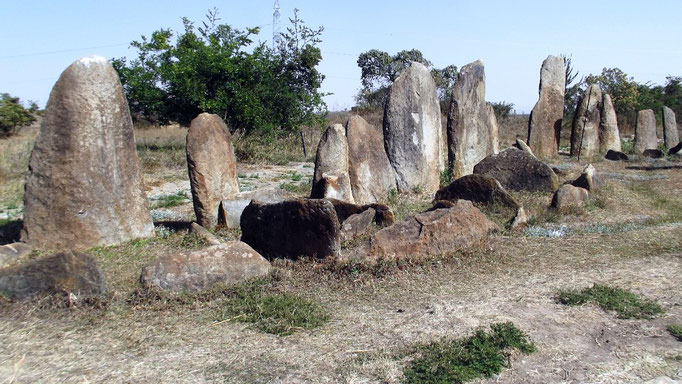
(330, 178)
(211, 165)
(586, 122)
(292, 229)
(520, 144)
(478, 189)
(645, 132)
(516, 170)
(588, 179)
(204, 234)
(544, 125)
(412, 130)
(84, 186)
(226, 263)
(471, 126)
(670, 134)
(10, 253)
(68, 272)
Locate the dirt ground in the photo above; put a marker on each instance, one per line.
(631, 239)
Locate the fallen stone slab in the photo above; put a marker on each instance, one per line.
(517, 170)
(616, 156)
(478, 189)
(653, 153)
(69, 272)
(230, 211)
(226, 263)
(204, 234)
(383, 215)
(357, 225)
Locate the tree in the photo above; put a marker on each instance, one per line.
(572, 90)
(13, 114)
(623, 89)
(502, 109)
(209, 69)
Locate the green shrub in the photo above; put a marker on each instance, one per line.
(625, 303)
(676, 330)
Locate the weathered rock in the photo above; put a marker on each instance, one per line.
(230, 211)
(588, 179)
(412, 130)
(331, 166)
(357, 225)
(84, 186)
(472, 126)
(653, 153)
(544, 125)
(520, 221)
(226, 263)
(585, 128)
(383, 214)
(674, 150)
(292, 229)
(645, 131)
(569, 195)
(371, 174)
(440, 204)
(69, 272)
(609, 137)
(520, 144)
(431, 234)
(10, 253)
(478, 189)
(670, 134)
(516, 170)
(616, 156)
(211, 165)
(204, 234)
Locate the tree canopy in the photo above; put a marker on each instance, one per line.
(13, 114)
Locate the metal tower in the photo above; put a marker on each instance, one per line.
(276, 31)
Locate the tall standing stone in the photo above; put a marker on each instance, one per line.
(331, 166)
(670, 135)
(609, 137)
(585, 129)
(84, 186)
(544, 126)
(645, 131)
(371, 174)
(211, 165)
(412, 130)
(472, 126)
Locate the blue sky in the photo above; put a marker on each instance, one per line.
(39, 39)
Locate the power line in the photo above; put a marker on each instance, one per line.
(61, 51)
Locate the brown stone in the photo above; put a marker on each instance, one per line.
(383, 214)
(371, 174)
(520, 221)
(10, 253)
(588, 179)
(84, 186)
(478, 189)
(517, 170)
(439, 204)
(471, 127)
(211, 165)
(569, 195)
(357, 225)
(520, 144)
(609, 137)
(68, 272)
(670, 134)
(204, 234)
(331, 178)
(292, 229)
(616, 156)
(544, 125)
(645, 132)
(586, 121)
(334, 187)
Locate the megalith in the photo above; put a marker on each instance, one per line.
(645, 132)
(471, 127)
(544, 125)
(331, 166)
(412, 130)
(585, 128)
(609, 137)
(371, 174)
(211, 165)
(670, 135)
(84, 186)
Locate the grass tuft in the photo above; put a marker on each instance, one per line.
(456, 361)
(676, 331)
(625, 303)
(168, 201)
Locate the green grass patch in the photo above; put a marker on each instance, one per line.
(168, 201)
(301, 188)
(676, 331)
(670, 209)
(481, 355)
(626, 304)
(277, 313)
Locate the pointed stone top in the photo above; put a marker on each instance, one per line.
(87, 60)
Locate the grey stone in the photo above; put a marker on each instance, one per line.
(520, 144)
(670, 134)
(645, 132)
(516, 170)
(211, 165)
(230, 211)
(586, 121)
(84, 186)
(471, 127)
(616, 156)
(544, 125)
(609, 136)
(357, 225)
(520, 221)
(10, 253)
(588, 179)
(331, 166)
(478, 189)
(412, 130)
(226, 263)
(569, 195)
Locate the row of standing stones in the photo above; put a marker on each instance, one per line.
(84, 186)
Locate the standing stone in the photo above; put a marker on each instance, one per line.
(371, 174)
(211, 165)
(331, 166)
(84, 186)
(670, 135)
(412, 130)
(544, 126)
(472, 126)
(609, 137)
(645, 131)
(585, 129)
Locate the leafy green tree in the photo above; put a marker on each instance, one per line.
(13, 114)
(502, 109)
(623, 89)
(573, 89)
(209, 69)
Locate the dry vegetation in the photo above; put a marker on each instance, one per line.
(629, 237)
